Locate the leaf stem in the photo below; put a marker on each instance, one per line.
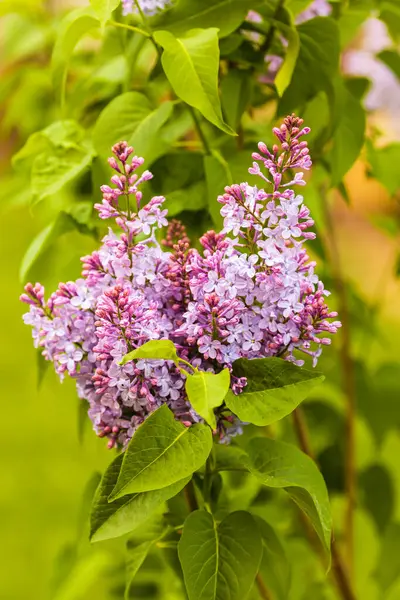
(339, 570)
(130, 27)
(200, 132)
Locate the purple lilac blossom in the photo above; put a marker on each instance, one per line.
(251, 292)
(149, 7)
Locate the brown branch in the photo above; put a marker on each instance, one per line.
(262, 588)
(339, 571)
(190, 496)
(348, 382)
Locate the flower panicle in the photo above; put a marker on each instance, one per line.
(251, 291)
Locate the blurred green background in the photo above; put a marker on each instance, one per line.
(45, 465)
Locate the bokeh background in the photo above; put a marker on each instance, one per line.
(48, 457)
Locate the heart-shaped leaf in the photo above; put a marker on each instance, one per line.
(219, 562)
(281, 465)
(274, 388)
(155, 349)
(191, 64)
(113, 519)
(207, 391)
(162, 452)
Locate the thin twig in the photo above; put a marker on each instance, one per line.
(190, 496)
(339, 571)
(262, 588)
(348, 382)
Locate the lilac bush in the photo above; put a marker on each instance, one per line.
(251, 292)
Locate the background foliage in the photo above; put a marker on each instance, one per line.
(66, 63)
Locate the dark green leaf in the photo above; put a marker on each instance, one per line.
(191, 64)
(192, 198)
(218, 175)
(275, 567)
(274, 388)
(236, 90)
(230, 458)
(227, 15)
(388, 567)
(162, 452)
(391, 58)
(390, 15)
(316, 64)
(113, 519)
(281, 465)
(42, 366)
(155, 349)
(207, 391)
(348, 137)
(219, 562)
(136, 557)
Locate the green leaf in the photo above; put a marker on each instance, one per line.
(191, 64)
(317, 63)
(62, 224)
(136, 557)
(104, 8)
(236, 91)
(382, 161)
(207, 391)
(281, 465)
(155, 349)
(230, 458)
(391, 59)
(131, 117)
(227, 15)
(274, 388)
(275, 567)
(162, 452)
(42, 366)
(285, 73)
(218, 175)
(113, 519)
(390, 15)
(191, 198)
(219, 562)
(348, 137)
(73, 27)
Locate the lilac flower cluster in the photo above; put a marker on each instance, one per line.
(251, 292)
(149, 7)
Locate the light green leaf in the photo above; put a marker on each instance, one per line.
(218, 176)
(348, 137)
(104, 8)
(281, 465)
(89, 569)
(113, 519)
(136, 557)
(191, 64)
(382, 161)
(285, 73)
(73, 27)
(275, 567)
(207, 391)
(227, 15)
(162, 452)
(155, 349)
(131, 117)
(219, 562)
(236, 90)
(61, 225)
(274, 388)
(317, 63)
(52, 171)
